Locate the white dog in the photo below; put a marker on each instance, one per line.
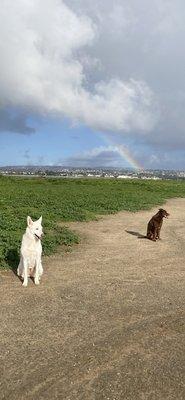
(31, 250)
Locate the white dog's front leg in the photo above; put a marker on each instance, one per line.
(36, 278)
(25, 273)
(20, 267)
(18, 270)
(40, 270)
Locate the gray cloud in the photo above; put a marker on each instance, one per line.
(162, 158)
(144, 40)
(109, 156)
(54, 55)
(117, 157)
(113, 65)
(14, 122)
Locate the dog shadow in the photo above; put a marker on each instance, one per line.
(12, 259)
(139, 235)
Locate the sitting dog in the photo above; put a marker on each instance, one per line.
(155, 224)
(31, 250)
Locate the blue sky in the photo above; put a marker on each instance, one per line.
(92, 83)
(58, 142)
(53, 142)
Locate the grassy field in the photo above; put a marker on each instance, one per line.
(69, 200)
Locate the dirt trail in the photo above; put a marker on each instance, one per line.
(107, 322)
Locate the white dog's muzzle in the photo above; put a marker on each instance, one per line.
(38, 237)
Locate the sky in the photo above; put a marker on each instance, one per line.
(92, 83)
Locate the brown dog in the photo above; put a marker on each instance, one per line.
(154, 225)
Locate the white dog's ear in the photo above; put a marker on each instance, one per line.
(29, 221)
(40, 219)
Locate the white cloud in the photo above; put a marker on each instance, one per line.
(110, 156)
(38, 39)
(144, 40)
(42, 69)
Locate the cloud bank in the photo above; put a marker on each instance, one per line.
(144, 40)
(47, 57)
(113, 65)
(14, 122)
(97, 157)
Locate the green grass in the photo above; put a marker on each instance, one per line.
(69, 200)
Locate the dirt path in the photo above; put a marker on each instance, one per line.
(107, 321)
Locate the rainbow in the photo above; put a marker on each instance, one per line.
(126, 155)
(123, 151)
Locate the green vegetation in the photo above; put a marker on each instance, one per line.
(60, 200)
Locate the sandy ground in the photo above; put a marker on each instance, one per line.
(107, 321)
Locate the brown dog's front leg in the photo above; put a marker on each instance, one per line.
(158, 234)
(155, 235)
